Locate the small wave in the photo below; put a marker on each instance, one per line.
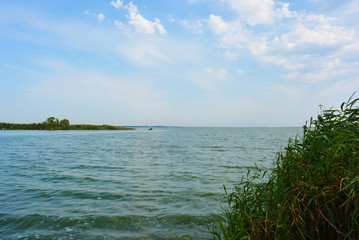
(64, 178)
(93, 195)
(90, 227)
(185, 219)
(238, 167)
(86, 166)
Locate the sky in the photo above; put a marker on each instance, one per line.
(237, 63)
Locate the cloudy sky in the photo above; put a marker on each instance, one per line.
(177, 62)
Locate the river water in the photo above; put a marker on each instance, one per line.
(160, 184)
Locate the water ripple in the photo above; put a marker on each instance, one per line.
(160, 184)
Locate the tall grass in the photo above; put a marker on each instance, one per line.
(313, 191)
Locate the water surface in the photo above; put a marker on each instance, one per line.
(160, 184)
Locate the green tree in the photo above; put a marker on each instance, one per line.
(65, 122)
(51, 123)
(50, 120)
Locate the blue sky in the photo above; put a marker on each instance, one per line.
(178, 62)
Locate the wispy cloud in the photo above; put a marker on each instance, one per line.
(196, 26)
(209, 62)
(298, 42)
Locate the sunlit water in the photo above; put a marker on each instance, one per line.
(160, 184)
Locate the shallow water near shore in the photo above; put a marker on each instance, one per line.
(160, 184)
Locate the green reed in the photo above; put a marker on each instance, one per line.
(312, 192)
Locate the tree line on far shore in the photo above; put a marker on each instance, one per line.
(53, 123)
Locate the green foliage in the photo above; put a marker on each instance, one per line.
(65, 122)
(52, 123)
(313, 192)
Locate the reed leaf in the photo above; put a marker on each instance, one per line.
(313, 191)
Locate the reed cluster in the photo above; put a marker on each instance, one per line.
(311, 193)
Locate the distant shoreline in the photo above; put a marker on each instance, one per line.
(54, 124)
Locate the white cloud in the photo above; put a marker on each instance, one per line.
(141, 24)
(319, 35)
(100, 17)
(217, 25)
(258, 47)
(254, 12)
(158, 26)
(312, 48)
(118, 4)
(321, 56)
(284, 11)
(230, 34)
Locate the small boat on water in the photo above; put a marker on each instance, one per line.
(150, 129)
